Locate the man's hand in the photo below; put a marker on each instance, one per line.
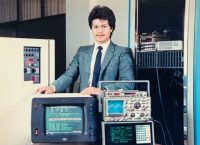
(45, 90)
(91, 91)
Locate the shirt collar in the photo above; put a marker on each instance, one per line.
(105, 45)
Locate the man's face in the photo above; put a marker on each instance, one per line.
(101, 30)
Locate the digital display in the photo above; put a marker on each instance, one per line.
(119, 134)
(127, 133)
(64, 120)
(143, 134)
(115, 107)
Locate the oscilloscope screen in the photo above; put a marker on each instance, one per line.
(115, 107)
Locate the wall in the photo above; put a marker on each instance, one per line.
(77, 30)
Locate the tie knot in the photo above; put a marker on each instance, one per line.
(100, 47)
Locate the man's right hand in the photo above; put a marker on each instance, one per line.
(45, 90)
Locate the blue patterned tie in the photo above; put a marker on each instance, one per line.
(97, 68)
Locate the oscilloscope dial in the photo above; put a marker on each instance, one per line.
(137, 105)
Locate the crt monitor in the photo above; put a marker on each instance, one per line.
(128, 133)
(63, 119)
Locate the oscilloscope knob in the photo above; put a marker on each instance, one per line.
(142, 115)
(137, 105)
(132, 114)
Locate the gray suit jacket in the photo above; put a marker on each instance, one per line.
(117, 65)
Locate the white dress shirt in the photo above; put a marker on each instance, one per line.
(94, 54)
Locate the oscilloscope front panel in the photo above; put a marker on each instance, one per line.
(127, 108)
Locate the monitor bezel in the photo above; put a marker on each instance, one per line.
(103, 124)
(38, 119)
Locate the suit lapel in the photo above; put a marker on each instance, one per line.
(88, 58)
(107, 58)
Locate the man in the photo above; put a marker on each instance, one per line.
(115, 62)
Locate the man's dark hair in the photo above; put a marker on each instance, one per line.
(103, 13)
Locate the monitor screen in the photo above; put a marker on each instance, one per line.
(115, 107)
(63, 120)
(127, 133)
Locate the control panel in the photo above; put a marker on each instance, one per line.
(32, 64)
(126, 106)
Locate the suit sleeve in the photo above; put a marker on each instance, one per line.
(69, 76)
(126, 72)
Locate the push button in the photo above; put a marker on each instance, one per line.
(36, 132)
